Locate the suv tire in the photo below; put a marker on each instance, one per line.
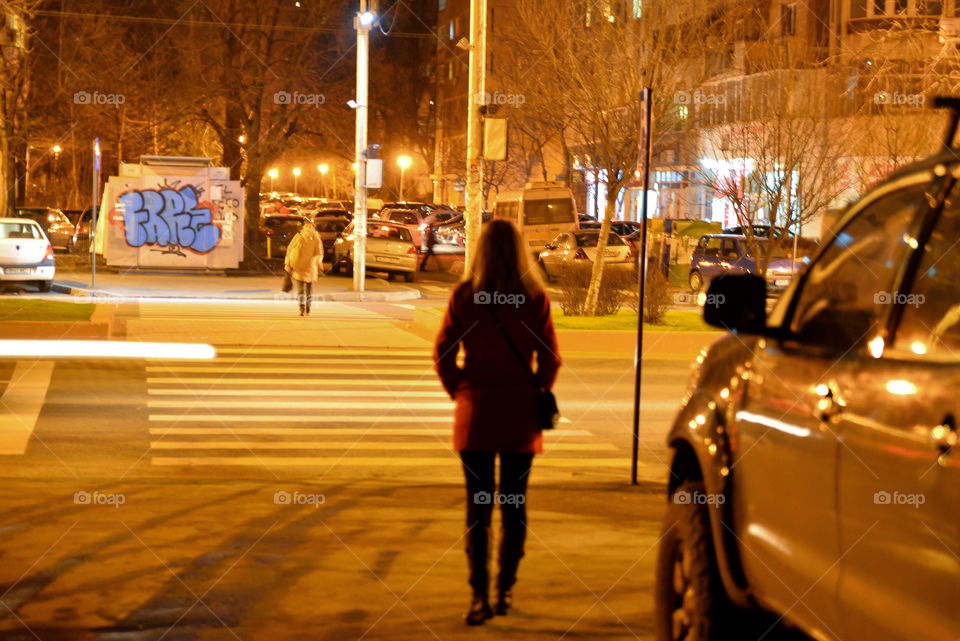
(689, 599)
(696, 282)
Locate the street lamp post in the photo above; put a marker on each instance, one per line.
(404, 162)
(273, 175)
(323, 168)
(56, 171)
(363, 21)
(296, 180)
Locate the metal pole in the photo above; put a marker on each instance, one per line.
(401, 183)
(477, 97)
(360, 199)
(93, 221)
(643, 141)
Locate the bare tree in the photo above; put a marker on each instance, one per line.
(588, 62)
(15, 51)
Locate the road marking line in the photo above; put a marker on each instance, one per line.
(323, 431)
(385, 461)
(298, 418)
(308, 405)
(346, 360)
(343, 382)
(332, 351)
(22, 403)
(280, 393)
(343, 445)
(425, 371)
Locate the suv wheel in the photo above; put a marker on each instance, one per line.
(696, 282)
(689, 599)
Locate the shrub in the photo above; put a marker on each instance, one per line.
(657, 296)
(616, 288)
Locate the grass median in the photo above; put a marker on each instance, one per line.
(29, 309)
(626, 320)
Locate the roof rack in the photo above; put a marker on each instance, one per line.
(953, 104)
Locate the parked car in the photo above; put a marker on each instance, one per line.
(815, 471)
(717, 254)
(330, 223)
(57, 227)
(82, 220)
(628, 230)
(581, 247)
(26, 254)
(390, 249)
(453, 232)
(276, 232)
(805, 246)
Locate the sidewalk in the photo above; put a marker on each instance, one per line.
(200, 285)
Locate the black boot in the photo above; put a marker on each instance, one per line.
(504, 602)
(479, 610)
(478, 555)
(511, 551)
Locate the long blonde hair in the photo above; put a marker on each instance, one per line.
(501, 263)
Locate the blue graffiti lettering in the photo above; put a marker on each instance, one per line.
(168, 217)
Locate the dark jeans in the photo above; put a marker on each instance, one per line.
(304, 294)
(482, 495)
(426, 255)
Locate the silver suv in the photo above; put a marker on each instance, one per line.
(814, 473)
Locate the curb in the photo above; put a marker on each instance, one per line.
(393, 295)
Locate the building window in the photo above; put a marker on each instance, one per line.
(453, 31)
(858, 9)
(442, 5)
(788, 19)
(637, 9)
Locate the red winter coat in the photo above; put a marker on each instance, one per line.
(495, 399)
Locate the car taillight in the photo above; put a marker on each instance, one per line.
(49, 254)
(267, 232)
(631, 248)
(581, 255)
(412, 251)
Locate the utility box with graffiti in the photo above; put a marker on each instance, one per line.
(170, 212)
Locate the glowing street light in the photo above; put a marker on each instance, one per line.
(273, 173)
(296, 179)
(323, 168)
(404, 162)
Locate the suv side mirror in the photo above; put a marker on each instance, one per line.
(737, 303)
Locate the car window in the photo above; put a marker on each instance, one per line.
(19, 231)
(389, 232)
(712, 247)
(404, 217)
(548, 211)
(930, 322)
(844, 294)
(729, 250)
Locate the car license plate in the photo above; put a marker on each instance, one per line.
(18, 270)
(611, 253)
(388, 259)
(781, 282)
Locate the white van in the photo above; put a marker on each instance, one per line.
(541, 210)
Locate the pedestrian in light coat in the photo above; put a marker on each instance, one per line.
(303, 260)
(496, 408)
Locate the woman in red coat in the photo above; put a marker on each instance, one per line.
(496, 408)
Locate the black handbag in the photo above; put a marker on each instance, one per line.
(548, 414)
(287, 282)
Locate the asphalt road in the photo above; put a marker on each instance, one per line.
(301, 486)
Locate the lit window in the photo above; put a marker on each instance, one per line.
(452, 31)
(637, 8)
(442, 5)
